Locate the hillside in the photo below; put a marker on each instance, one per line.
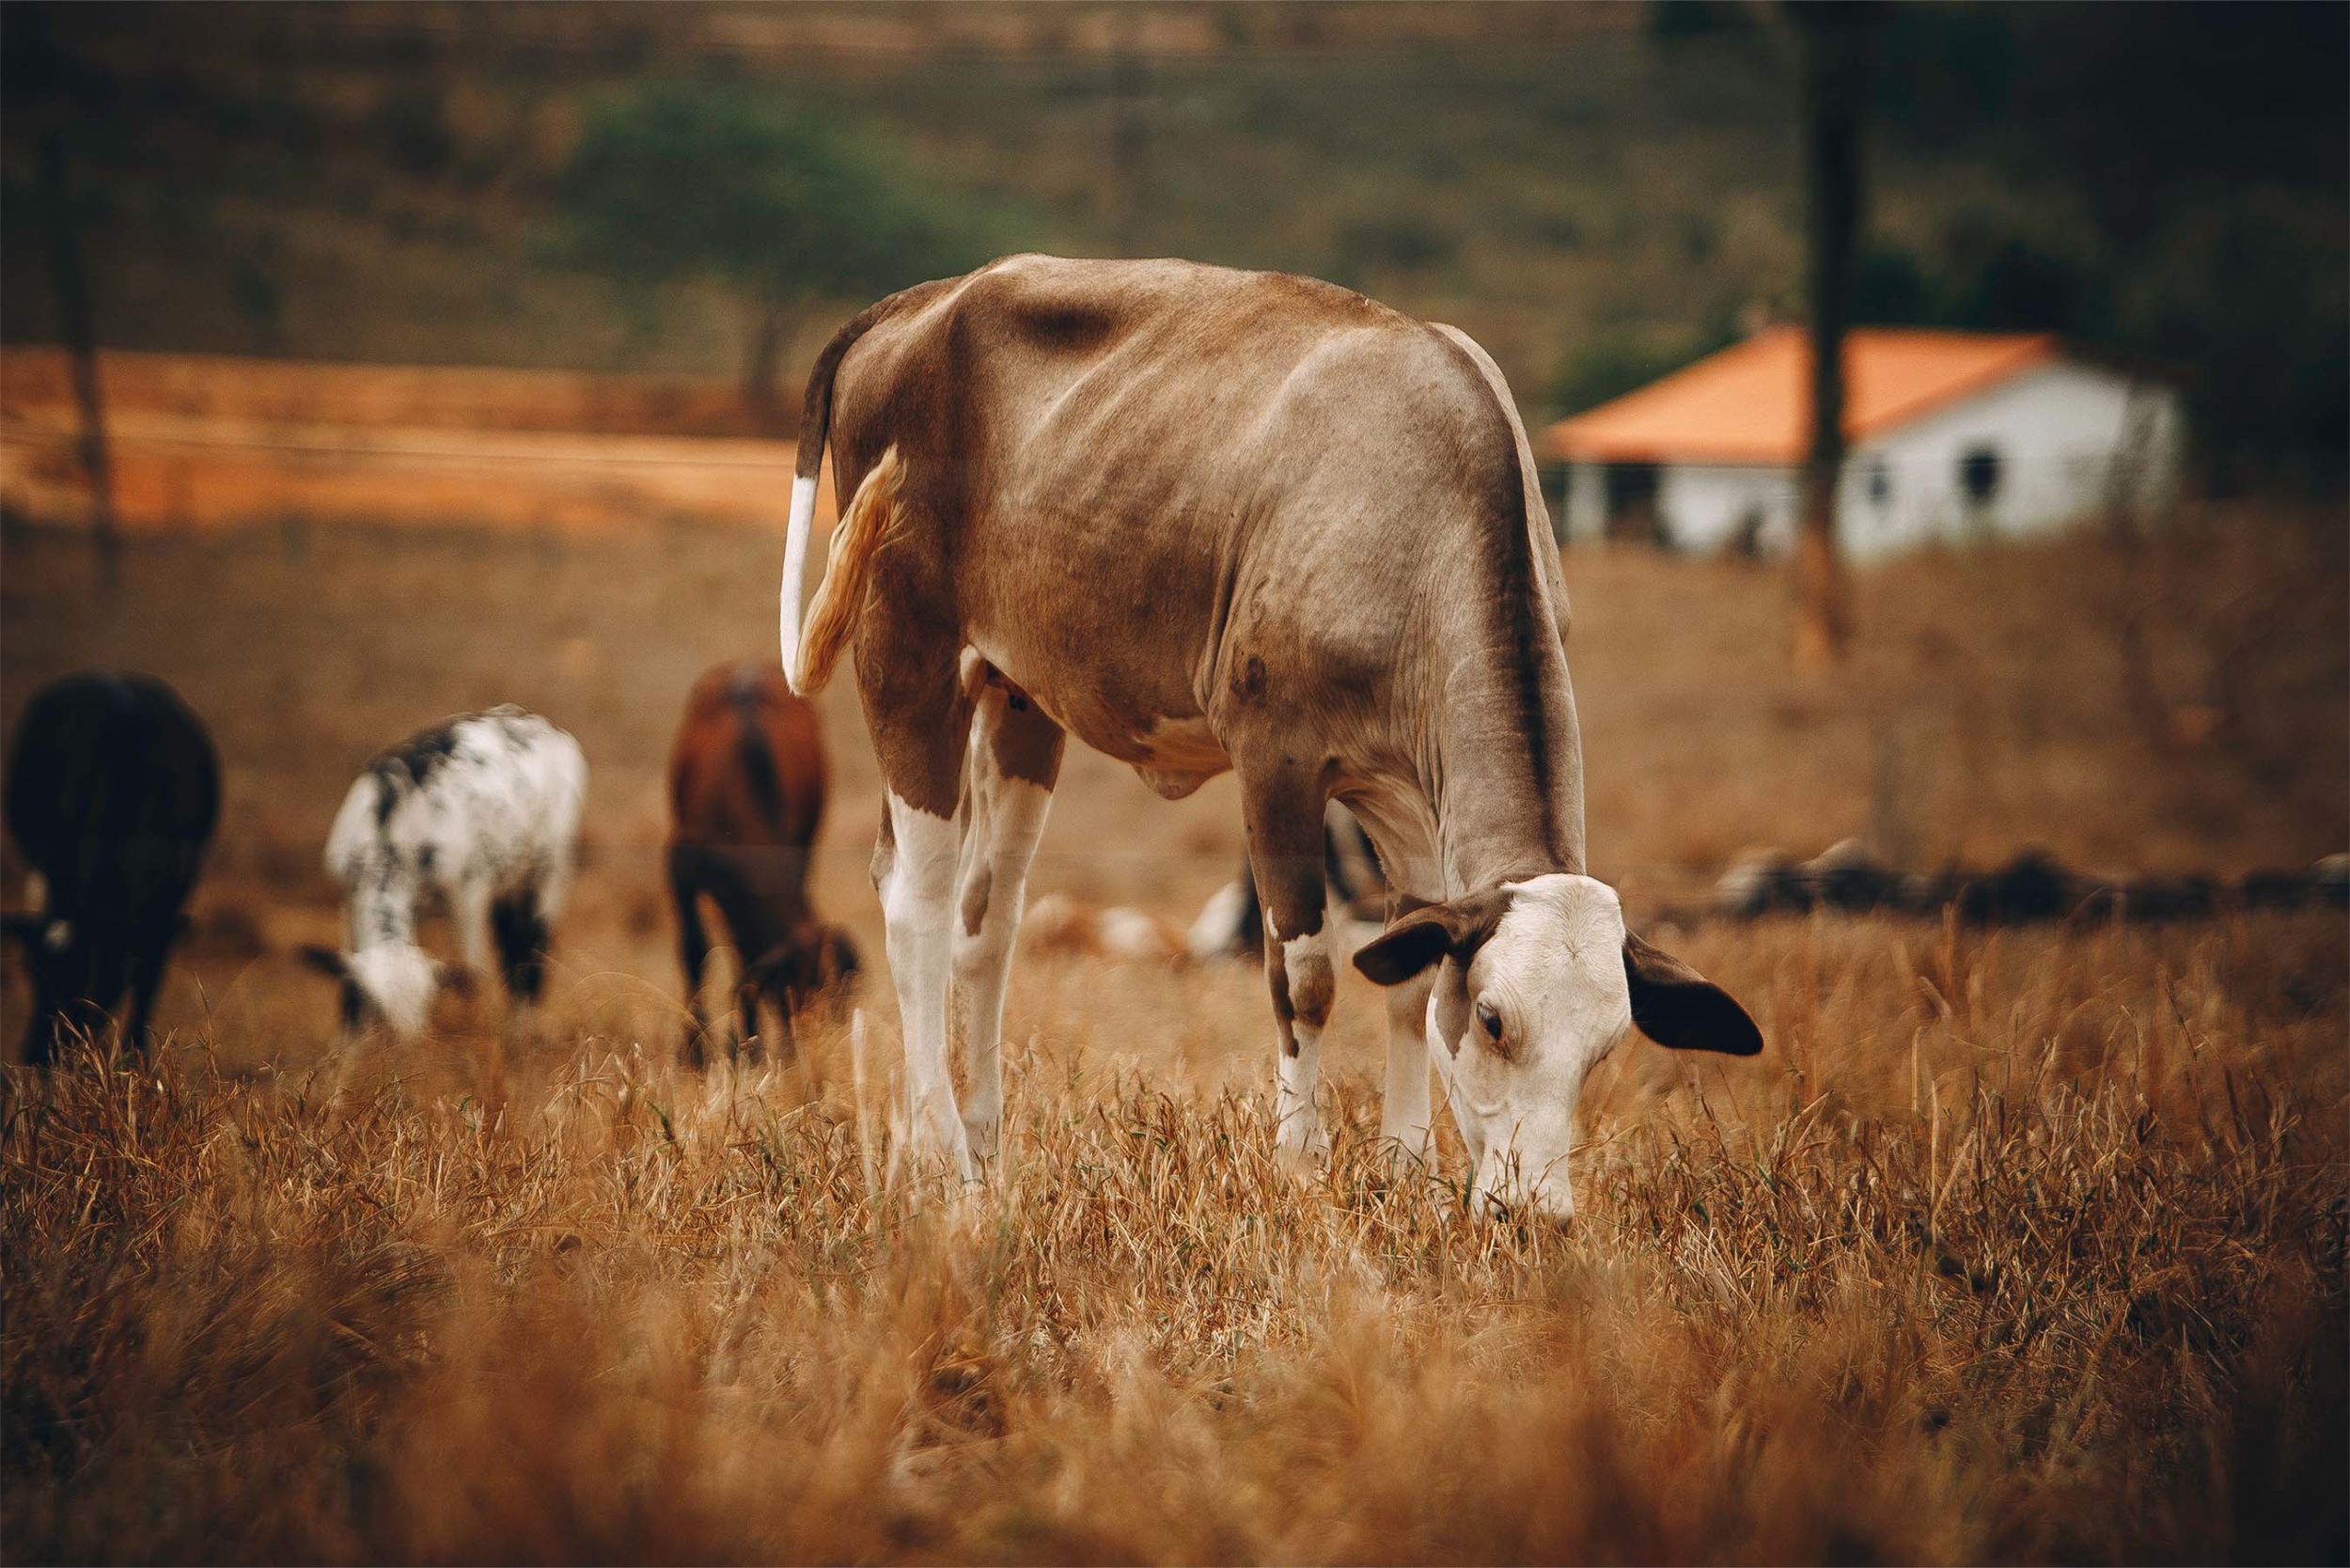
(1595, 192)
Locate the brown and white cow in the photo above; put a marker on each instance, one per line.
(1206, 519)
(747, 798)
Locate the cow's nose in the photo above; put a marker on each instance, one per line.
(1559, 1223)
(1553, 1208)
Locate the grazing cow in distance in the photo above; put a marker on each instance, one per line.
(113, 793)
(1761, 881)
(746, 796)
(2270, 889)
(1061, 925)
(1845, 876)
(1232, 923)
(1211, 520)
(478, 816)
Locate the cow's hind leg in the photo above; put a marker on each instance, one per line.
(522, 937)
(749, 994)
(919, 717)
(693, 942)
(151, 958)
(473, 916)
(1283, 816)
(915, 873)
(1015, 760)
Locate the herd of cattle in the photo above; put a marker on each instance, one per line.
(114, 790)
(113, 793)
(1203, 519)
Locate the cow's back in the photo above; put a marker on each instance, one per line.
(497, 793)
(749, 764)
(113, 793)
(1118, 464)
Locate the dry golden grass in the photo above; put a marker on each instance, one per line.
(2021, 1246)
(2086, 1303)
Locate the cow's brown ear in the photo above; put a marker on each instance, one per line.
(326, 960)
(1457, 929)
(1676, 1006)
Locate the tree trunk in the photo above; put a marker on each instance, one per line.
(1835, 56)
(81, 337)
(1127, 135)
(758, 370)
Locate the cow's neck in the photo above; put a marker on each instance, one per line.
(764, 896)
(1506, 764)
(382, 911)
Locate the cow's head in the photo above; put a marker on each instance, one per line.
(392, 984)
(67, 967)
(1537, 981)
(815, 958)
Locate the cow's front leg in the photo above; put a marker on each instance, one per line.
(469, 922)
(1406, 1117)
(914, 871)
(1285, 853)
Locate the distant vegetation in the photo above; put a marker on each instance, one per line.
(1597, 193)
(678, 181)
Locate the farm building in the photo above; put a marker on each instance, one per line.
(1951, 437)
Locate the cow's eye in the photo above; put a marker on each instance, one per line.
(1489, 1020)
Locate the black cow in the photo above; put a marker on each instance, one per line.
(113, 791)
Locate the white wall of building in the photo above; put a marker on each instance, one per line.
(1585, 515)
(2070, 441)
(1707, 506)
(2066, 440)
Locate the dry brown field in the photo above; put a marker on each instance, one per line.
(2023, 1244)
(201, 444)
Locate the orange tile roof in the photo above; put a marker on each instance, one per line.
(1751, 403)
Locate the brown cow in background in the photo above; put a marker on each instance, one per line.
(746, 795)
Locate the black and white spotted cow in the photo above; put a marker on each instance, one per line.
(478, 816)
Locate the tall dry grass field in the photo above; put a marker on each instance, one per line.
(2024, 1245)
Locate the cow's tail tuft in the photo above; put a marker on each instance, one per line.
(840, 597)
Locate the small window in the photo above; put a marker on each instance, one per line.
(1978, 475)
(1880, 484)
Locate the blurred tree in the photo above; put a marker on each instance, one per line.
(2201, 147)
(1129, 138)
(1674, 21)
(415, 137)
(1836, 43)
(47, 88)
(680, 182)
(1986, 276)
(1609, 364)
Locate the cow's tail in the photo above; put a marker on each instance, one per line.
(815, 428)
(840, 597)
